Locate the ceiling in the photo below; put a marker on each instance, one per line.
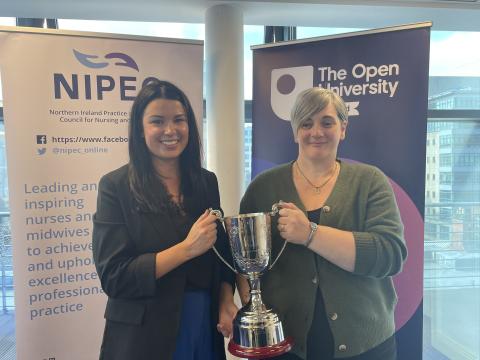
(445, 14)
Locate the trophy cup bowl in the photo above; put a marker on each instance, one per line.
(257, 330)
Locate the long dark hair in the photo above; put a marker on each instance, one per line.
(147, 188)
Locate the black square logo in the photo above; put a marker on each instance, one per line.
(41, 139)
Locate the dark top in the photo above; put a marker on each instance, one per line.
(199, 269)
(320, 343)
(143, 313)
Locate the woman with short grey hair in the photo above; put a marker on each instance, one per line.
(333, 284)
(314, 100)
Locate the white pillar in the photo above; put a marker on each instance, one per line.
(224, 101)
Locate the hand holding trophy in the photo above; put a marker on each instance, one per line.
(257, 330)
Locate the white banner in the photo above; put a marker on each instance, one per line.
(67, 98)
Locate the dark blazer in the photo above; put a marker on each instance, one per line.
(143, 313)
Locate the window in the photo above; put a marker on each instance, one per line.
(452, 271)
(7, 306)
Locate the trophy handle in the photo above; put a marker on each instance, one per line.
(279, 254)
(275, 209)
(219, 216)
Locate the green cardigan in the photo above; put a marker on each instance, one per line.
(359, 305)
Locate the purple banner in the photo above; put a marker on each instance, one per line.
(383, 77)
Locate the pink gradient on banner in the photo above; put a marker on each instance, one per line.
(409, 283)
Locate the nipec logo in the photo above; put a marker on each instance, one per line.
(286, 84)
(89, 60)
(95, 85)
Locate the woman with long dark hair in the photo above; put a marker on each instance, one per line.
(153, 237)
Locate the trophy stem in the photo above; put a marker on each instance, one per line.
(256, 303)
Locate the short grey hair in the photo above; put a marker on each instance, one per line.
(311, 101)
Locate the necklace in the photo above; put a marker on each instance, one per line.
(318, 188)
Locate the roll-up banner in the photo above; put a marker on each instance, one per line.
(382, 74)
(67, 98)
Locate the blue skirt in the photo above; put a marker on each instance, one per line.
(195, 338)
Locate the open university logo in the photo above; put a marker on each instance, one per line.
(286, 84)
(352, 108)
(96, 62)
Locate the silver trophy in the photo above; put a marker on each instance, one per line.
(257, 330)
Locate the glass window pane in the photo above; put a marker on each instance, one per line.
(7, 305)
(307, 32)
(144, 28)
(452, 240)
(7, 21)
(452, 220)
(454, 70)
